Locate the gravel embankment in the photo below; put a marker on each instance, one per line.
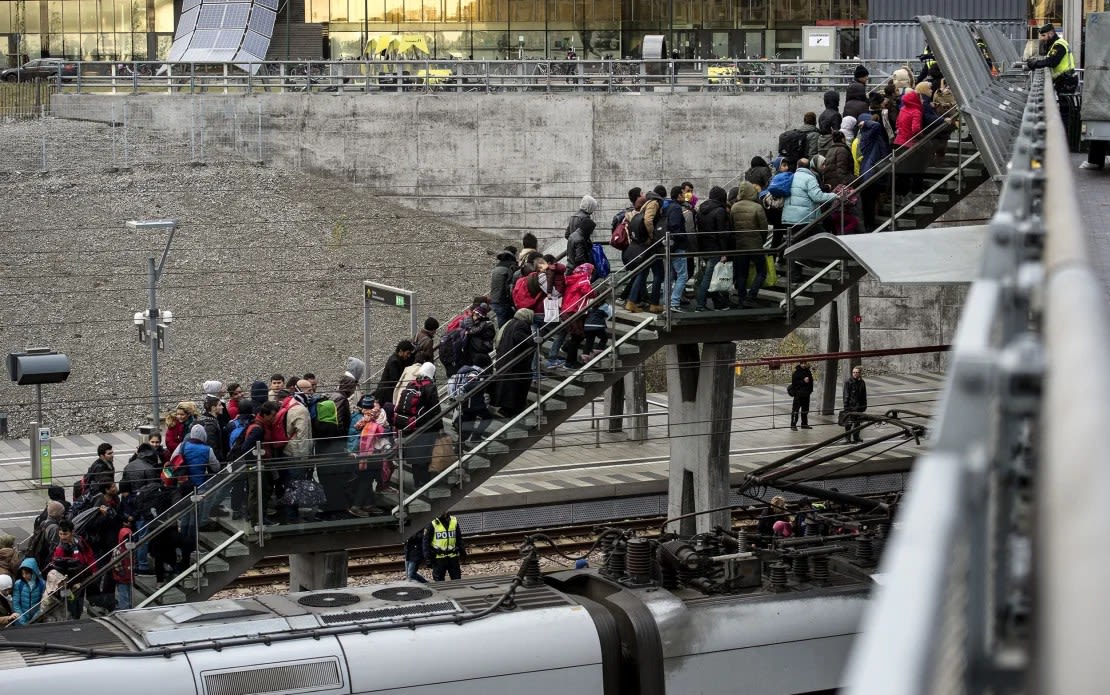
(264, 275)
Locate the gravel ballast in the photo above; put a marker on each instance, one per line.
(265, 274)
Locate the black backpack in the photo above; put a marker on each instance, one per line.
(40, 547)
(792, 145)
(637, 229)
(409, 406)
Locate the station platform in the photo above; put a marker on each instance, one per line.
(580, 462)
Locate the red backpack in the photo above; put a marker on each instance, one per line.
(619, 238)
(410, 405)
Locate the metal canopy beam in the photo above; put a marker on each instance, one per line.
(935, 256)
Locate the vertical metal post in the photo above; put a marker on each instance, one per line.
(42, 119)
(152, 335)
(893, 191)
(36, 462)
(366, 331)
(192, 130)
(959, 158)
(668, 278)
(259, 132)
(400, 485)
(613, 326)
(413, 326)
(126, 125)
(258, 494)
(38, 403)
(196, 500)
(459, 425)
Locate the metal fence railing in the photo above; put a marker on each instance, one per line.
(970, 578)
(480, 76)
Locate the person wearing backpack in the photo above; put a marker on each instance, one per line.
(713, 236)
(367, 440)
(678, 241)
(41, 544)
(510, 393)
(474, 415)
(144, 467)
(642, 247)
(55, 493)
(75, 559)
(579, 234)
(424, 342)
(501, 286)
(805, 198)
(829, 121)
(402, 357)
(750, 224)
(419, 408)
(210, 419)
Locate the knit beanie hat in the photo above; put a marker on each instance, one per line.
(861, 71)
(55, 510)
(212, 388)
(197, 433)
(428, 369)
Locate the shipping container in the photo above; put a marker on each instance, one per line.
(961, 10)
(886, 45)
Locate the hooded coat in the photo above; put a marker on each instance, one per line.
(872, 146)
(715, 222)
(391, 373)
(760, 174)
(579, 291)
(500, 279)
(910, 118)
(514, 345)
(579, 231)
(9, 558)
(805, 196)
(828, 121)
(840, 168)
(855, 101)
(260, 392)
(749, 220)
(144, 468)
(26, 596)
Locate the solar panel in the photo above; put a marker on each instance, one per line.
(236, 16)
(262, 21)
(204, 38)
(216, 31)
(178, 49)
(211, 16)
(229, 38)
(187, 23)
(256, 44)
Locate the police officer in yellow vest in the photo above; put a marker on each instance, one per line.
(443, 547)
(1058, 57)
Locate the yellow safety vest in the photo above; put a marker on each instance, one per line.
(443, 538)
(1067, 63)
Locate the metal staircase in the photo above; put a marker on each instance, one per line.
(221, 555)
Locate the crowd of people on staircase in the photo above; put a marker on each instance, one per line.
(332, 456)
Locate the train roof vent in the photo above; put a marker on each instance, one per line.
(402, 593)
(416, 610)
(332, 599)
(305, 676)
(216, 610)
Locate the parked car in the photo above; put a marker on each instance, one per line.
(40, 68)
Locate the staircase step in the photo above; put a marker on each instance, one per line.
(570, 390)
(212, 539)
(475, 462)
(620, 329)
(419, 506)
(189, 583)
(815, 288)
(591, 377)
(438, 492)
(216, 564)
(145, 586)
(800, 300)
(628, 349)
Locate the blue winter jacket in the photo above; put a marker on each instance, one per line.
(873, 147)
(805, 196)
(197, 455)
(26, 596)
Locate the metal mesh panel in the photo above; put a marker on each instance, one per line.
(991, 108)
(312, 674)
(1003, 50)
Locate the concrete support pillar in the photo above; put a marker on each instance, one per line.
(699, 398)
(312, 571)
(855, 344)
(629, 395)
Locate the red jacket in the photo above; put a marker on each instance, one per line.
(909, 119)
(81, 555)
(524, 299)
(578, 289)
(122, 572)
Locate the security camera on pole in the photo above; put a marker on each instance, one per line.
(152, 323)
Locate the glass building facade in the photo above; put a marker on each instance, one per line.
(479, 29)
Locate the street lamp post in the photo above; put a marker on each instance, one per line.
(154, 322)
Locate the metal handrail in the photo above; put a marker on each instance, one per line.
(481, 76)
(200, 562)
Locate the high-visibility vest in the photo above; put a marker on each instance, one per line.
(443, 538)
(1067, 63)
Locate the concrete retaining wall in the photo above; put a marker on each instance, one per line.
(506, 163)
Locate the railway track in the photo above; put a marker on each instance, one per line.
(490, 547)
